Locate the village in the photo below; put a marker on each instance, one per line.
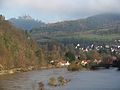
(93, 56)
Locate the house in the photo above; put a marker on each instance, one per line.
(84, 62)
(63, 63)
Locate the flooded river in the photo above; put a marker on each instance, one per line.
(104, 79)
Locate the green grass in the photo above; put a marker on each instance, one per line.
(92, 37)
(87, 35)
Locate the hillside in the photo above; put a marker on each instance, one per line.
(26, 22)
(16, 47)
(104, 27)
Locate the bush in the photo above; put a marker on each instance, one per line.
(61, 80)
(52, 81)
(41, 86)
(74, 67)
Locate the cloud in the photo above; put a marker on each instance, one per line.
(62, 8)
(68, 6)
(1, 3)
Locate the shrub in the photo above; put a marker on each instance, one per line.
(61, 80)
(41, 86)
(74, 67)
(52, 81)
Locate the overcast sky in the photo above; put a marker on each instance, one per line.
(57, 10)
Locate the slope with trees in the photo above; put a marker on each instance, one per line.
(103, 28)
(17, 49)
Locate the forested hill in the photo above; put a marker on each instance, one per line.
(103, 27)
(96, 22)
(16, 47)
(26, 22)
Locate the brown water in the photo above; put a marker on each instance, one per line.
(104, 79)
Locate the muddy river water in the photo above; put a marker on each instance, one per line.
(103, 79)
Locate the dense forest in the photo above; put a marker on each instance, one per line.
(17, 49)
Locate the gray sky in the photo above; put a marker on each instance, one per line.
(57, 10)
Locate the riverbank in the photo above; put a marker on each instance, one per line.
(12, 71)
(32, 68)
(16, 70)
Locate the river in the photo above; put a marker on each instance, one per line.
(103, 79)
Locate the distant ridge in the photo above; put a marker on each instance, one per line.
(102, 27)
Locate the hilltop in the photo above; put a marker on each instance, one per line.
(26, 22)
